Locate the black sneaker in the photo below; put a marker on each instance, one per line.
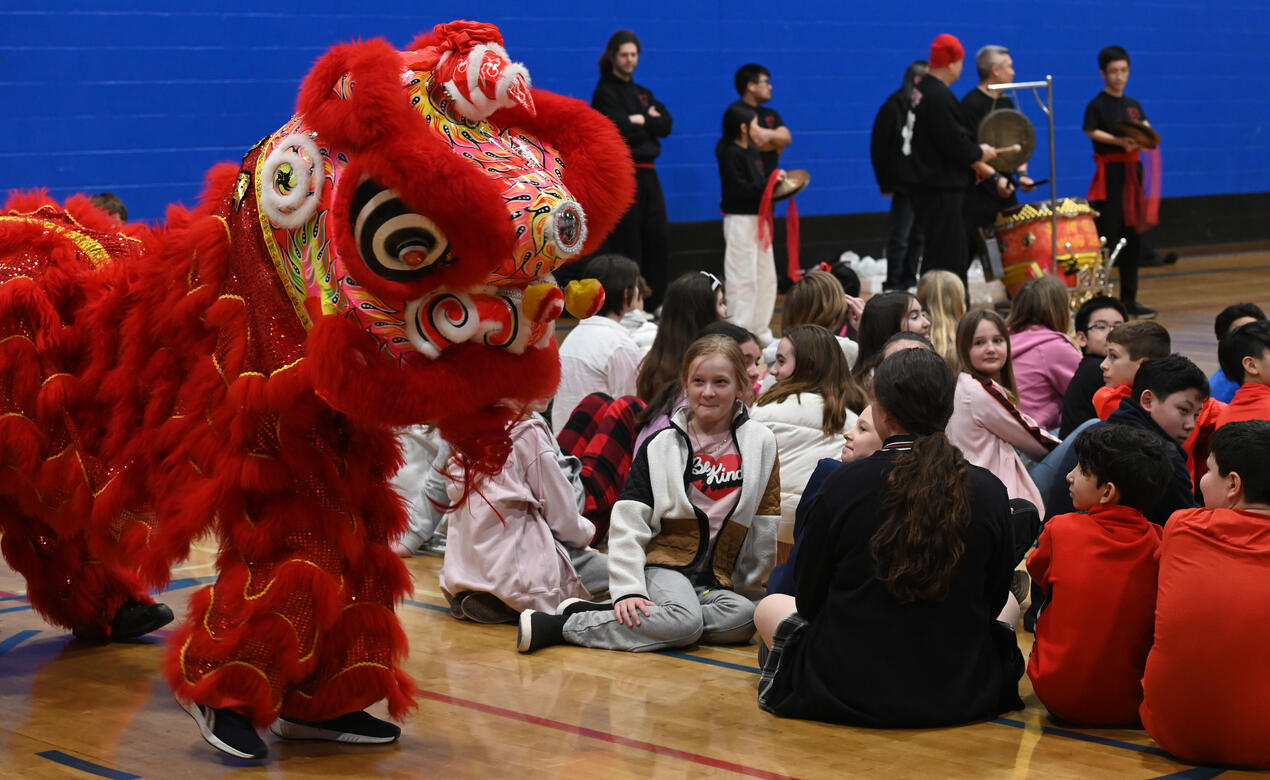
(1139, 311)
(227, 731)
(135, 619)
(360, 728)
(538, 630)
(574, 606)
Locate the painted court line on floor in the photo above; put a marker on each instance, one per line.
(15, 640)
(604, 736)
(66, 759)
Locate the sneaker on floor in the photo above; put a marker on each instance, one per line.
(574, 606)
(226, 730)
(1139, 311)
(1020, 585)
(360, 728)
(538, 630)
(135, 619)
(481, 607)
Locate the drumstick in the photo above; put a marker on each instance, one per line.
(1009, 149)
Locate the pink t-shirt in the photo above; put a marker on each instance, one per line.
(715, 485)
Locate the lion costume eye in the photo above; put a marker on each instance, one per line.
(395, 242)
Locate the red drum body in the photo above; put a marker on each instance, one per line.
(1023, 235)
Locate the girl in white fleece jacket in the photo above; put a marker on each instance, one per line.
(693, 537)
(814, 402)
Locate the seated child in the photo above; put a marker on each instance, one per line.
(943, 296)
(885, 315)
(1166, 399)
(421, 482)
(1230, 318)
(693, 537)
(1128, 346)
(859, 442)
(755, 365)
(903, 573)
(639, 323)
(987, 424)
(517, 540)
(1044, 358)
(1094, 319)
(1096, 571)
(599, 356)
(1245, 358)
(813, 402)
(1206, 677)
(816, 299)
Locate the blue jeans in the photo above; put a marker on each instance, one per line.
(904, 246)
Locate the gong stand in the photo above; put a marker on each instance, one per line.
(1048, 107)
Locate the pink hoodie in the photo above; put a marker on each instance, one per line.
(1044, 363)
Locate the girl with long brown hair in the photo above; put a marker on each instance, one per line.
(814, 401)
(987, 423)
(904, 567)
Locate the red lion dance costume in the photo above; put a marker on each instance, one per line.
(376, 262)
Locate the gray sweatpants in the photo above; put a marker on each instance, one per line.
(682, 616)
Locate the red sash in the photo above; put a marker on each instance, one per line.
(1141, 204)
(766, 226)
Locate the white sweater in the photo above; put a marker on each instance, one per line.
(796, 422)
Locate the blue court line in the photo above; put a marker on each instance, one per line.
(65, 759)
(712, 661)
(14, 597)
(187, 582)
(1083, 737)
(425, 605)
(16, 640)
(22, 608)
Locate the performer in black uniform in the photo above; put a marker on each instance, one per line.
(770, 135)
(893, 170)
(942, 152)
(1117, 192)
(987, 198)
(644, 233)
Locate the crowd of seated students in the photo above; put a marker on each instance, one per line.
(886, 505)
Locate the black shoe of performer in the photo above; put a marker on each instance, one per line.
(227, 731)
(574, 606)
(135, 619)
(359, 728)
(1139, 311)
(538, 630)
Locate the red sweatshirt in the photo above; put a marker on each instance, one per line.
(1098, 571)
(1251, 402)
(1207, 680)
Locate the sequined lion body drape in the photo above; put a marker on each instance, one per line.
(378, 261)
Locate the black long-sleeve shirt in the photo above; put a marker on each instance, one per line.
(865, 659)
(942, 148)
(742, 178)
(618, 100)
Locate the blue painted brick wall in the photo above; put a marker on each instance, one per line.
(142, 99)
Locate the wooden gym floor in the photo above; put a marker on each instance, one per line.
(70, 710)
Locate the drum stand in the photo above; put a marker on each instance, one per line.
(1048, 107)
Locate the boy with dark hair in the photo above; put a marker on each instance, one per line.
(1096, 569)
(112, 204)
(1245, 358)
(1231, 317)
(599, 355)
(1166, 398)
(1206, 677)
(1116, 191)
(1094, 320)
(1128, 345)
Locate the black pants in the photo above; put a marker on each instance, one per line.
(939, 212)
(1111, 226)
(904, 246)
(643, 235)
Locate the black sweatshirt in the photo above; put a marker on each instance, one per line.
(867, 660)
(618, 100)
(742, 177)
(942, 147)
(890, 167)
